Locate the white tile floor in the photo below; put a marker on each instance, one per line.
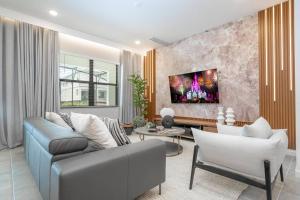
(16, 181)
(289, 190)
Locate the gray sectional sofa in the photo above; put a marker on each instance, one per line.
(66, 166)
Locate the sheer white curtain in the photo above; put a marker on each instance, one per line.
(131, 63)
(28, 76)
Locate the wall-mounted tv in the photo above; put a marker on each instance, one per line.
(195, 87)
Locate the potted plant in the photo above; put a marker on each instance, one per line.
(139, 100)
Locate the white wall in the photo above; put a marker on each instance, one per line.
(111, 112)
(83, 47)
(297, 79)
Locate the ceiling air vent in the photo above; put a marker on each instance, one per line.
(159, 41)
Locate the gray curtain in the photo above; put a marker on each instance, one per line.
(28, 76)
(130, 64)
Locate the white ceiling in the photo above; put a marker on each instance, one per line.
(124, 21)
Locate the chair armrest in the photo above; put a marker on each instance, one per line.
(109, 174)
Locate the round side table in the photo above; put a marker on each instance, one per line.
(172, 148)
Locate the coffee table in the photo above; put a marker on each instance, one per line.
(172, 148)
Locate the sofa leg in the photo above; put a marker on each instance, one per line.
(268, 180)
(159, 189)
(281, 174)
(193, 165)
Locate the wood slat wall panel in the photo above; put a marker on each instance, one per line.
(150, 77)
(277, 95)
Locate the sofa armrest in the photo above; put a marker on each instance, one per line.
(147, 166)
(109, 174)
(53, 138)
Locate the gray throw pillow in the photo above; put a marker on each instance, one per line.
(117, 132)
(66, 117)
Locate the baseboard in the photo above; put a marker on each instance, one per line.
(291, 152)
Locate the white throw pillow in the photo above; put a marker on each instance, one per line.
(56, 119)
(79, 121)
(230, 130)
(93, 128)
(259, 129)
(279, 130)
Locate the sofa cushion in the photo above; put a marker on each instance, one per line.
(259, 129)
(79, 121)
(56, 119)
(93, 128)
(67, 118)
(230, 130)
(116, 131)
(55, 139)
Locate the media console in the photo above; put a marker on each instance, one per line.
(188, 123)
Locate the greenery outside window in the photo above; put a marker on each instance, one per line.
(87, 82)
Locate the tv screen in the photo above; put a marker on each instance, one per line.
(196, 87)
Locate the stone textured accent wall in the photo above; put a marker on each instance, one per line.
(233, 50)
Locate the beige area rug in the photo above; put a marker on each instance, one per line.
(207, 186)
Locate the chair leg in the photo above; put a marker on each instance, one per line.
(268, 180)
(281, 174)
(159, 189)
(193, 165)
(192, 177)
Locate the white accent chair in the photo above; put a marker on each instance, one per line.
(250, 160)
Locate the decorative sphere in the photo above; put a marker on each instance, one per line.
(167, 121)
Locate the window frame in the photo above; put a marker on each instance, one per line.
(91, 92)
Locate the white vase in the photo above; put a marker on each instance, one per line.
(230, 118)
(220, 117)
(167, 111)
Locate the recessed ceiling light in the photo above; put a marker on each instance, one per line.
(137, 42)
(53, 13)
(137, 3)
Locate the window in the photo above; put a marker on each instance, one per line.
(87, 82)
